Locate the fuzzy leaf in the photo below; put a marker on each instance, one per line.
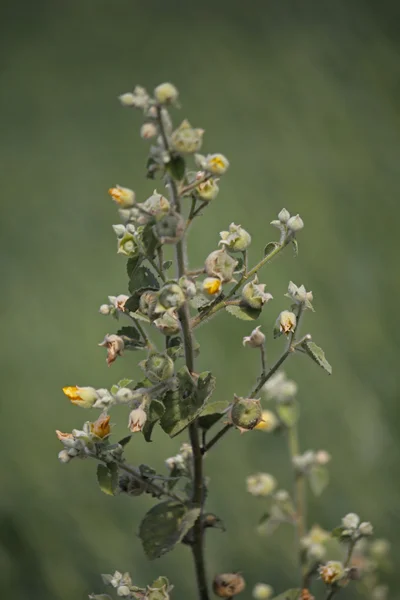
(319, 479)
(288, 413)
(317, 354)
(211, 413)
(132, 338)
(142, 277)
(125, 440)
(205, 386)
(107, 476)
(270, 247)
(243, 312)
(149, 240)
(292, 594)
(132, 264)
(167, 265)
(164, 526)
(155, 412)
(176, 167)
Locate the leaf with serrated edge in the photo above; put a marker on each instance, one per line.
(211, 413)
(317, 354)
(244, 313)
(107, 477)
(164, 526)
(142, 278)
(155, 412)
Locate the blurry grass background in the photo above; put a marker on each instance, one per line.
(303, 97)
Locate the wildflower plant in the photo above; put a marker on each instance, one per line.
(167, 301)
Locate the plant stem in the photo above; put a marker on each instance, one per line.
(299, 493)
(194, 184)
(184, 318)
(263, 360)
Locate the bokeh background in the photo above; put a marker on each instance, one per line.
(303, 97)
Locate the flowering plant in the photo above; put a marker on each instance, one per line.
(172, 394)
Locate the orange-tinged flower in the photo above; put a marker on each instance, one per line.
(101, 427)
(64, 436)
(124, 197)
(137, 419)
(211, 286)
(115, 346)
(81, 396)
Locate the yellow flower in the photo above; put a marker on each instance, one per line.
(268, 422)
(217, 164)
(124, 197)
(208, 190)
(166, 93)
(101, 427)
(212, 286)
(81, 396)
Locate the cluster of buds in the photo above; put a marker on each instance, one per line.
(303, 463)
(77, 443)
(300, 296)
(236, 239)
(288, 225)
(353, 528)
(122, 582)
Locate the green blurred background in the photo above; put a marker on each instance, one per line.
(303, 97)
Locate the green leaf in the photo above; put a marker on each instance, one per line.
(176, 167)
(164, 526)
(175, 348)
(296, 248)
(152, 167)
(270, 247)
(132, 264)
(211, 413)
(154, 414)
(125, 440)
(288, 412)
(317, 354)
(167, 265)
(99, 597)
(124, 382)
(184, 404)
(337, 532)
(107, 476)
(131, 337)
(142, 277)
(292, 594)
(243, 312)
(149, 240)
(319, 479)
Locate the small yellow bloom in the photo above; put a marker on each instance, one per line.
(217, 164)
(81, 396)
(124, 197)
(268, 423)
(208, 190)
(331, 572)
(286, 322)
(212, 286)
(101, 427)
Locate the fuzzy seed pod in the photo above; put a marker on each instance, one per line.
(171, 296)
(221, 265)
(245, 413)
(228, 585)
(170, 228)
(158, 367)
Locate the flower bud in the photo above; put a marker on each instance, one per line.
(127, 245)
(322, 457)
(284, 216)
(186, 139)
(295, 223)
(208, 190)
(158, 367)
(236, 239)
(228, 585)
(127, 99)
(217, 164)
(137, 419)
(168, 323)
(123, 591)
(170, 296)
(211, 286)
(64, 457)
(188, 286)
(256, 339)
(365, 528)
(219, 264)
(285, 323)
(245, 413)
(166, 93)
(101, 427)
(351, 521)
(261, 484)
(119, 230)
(170, 228)
(269, 421)
(331, 572)
(148, 130)
(155, 206)
(115, 346)
(125, 395)
(253, 294)
(299, 295)
(81, 396)
(262, 591)
(147, 303)
(124, 197)
(67, 439)
(104, 309)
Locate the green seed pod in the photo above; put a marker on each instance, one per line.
(170, 228)
(170, 296)
(236, 239)
(245, 413)
(158, 367)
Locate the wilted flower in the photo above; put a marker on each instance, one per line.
(269, 421)
(81, 396)
(187, 139)
(124, 197)
(137, 419)
(331, 572)
(245, 413)
(66, 438)
(228, 585)
(217, 164)
(212, 286)
(253, 294)
(280, 388)
(262, 591)
(221, 265)
(148, 130)
(115, 347)
(101, 427)
(256, 339)
(299, 295)
(208, 190)
(168, 323)
(351, 521)
(261, 484)
(295, 223)
(236, 239)
(285, 323)
(166, 93)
